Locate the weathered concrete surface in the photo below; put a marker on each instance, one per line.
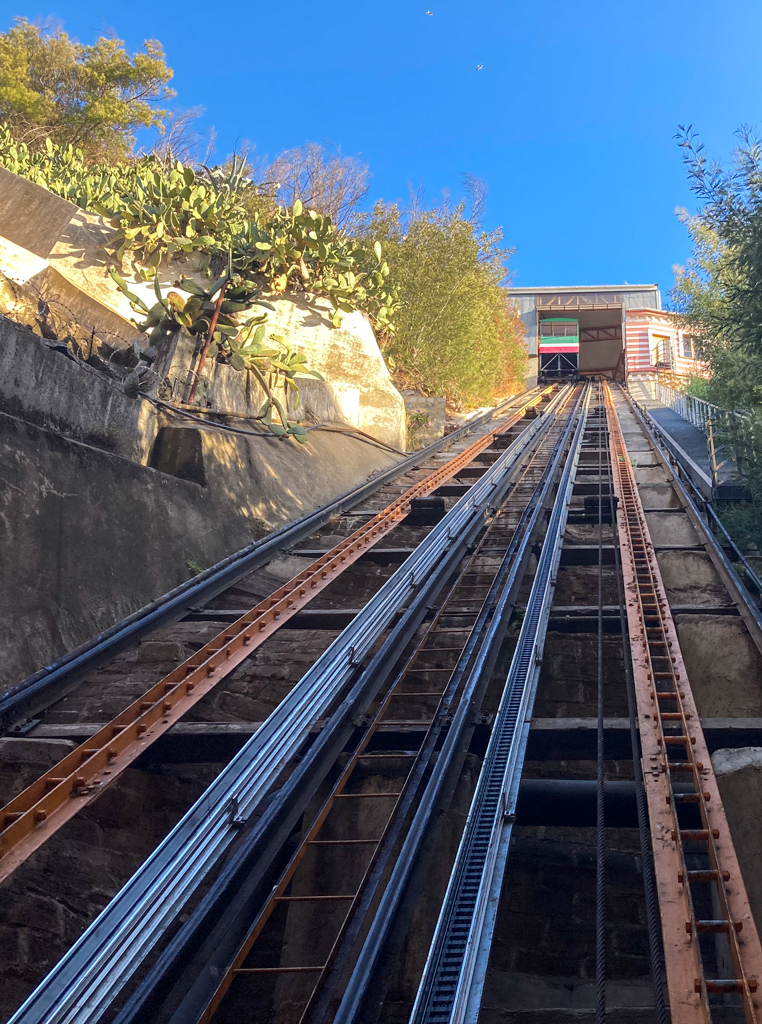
(739, 776)
(426, 418)
(568, 679)
(50, 900)
(89, 537)
(30, 215)
(43, 386)
(249, 694)
(542, 966)
(19, 264)
(670, 528)
(357, 381)
(691, 578)
(658, 495)
(723, 664)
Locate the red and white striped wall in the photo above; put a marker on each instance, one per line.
(653, 341)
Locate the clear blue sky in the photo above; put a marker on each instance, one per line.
(570, 121)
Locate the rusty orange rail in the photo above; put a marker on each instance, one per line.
(674, 751)
(30, 818)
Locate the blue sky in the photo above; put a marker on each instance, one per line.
(570, 122)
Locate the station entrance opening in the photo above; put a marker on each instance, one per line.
(600, 333)
(579, 331)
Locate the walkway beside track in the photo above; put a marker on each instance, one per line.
(690, 439)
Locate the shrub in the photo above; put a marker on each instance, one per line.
(93, 97)
(455, 333)
(156, 213)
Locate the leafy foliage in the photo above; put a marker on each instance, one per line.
(725, 294)
(63, 171)
(92, 97)
(163, 214)
(301, 249)
(719, 293)
(455, 333)
(195, 314)
(157, 213)
(243, 347)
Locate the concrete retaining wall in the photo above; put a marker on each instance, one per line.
(91, 533)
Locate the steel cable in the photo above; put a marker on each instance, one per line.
(600, 822)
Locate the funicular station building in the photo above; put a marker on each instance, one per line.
(603, 330)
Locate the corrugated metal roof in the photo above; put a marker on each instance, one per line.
(585, 288)
(558, 301)
(638, 296)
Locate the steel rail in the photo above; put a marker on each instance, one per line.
(670, 725)
(600, 823)
(58, 677)
(403, 799)
(237, 894)
(453, 977)
(88, 977)
(218, 927)
(233, 935)
(35, 814)
(497, 613)
(249, 865)
(655, 949)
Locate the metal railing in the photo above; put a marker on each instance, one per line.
(695, 410)
(729, 433)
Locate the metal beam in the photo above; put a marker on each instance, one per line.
(98, 965)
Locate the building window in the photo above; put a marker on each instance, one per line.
(687, 347)
(554, 329)
(661, 352)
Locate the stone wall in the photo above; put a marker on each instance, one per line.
(426, 418)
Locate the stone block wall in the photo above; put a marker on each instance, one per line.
(425, 418)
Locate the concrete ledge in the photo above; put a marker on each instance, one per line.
(32, 216)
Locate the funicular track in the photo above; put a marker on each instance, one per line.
(431, 682)
(712, 956)
(32, 816)
(302, 852)
(210, 829)
(694, 866)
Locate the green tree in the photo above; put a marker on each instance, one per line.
(718, 292)
(727, 235)
(94, 97)
(455, 332)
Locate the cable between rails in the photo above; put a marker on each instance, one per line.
(600, 817)
(653, 918)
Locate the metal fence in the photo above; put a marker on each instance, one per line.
(732, 437)
(695, 410)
